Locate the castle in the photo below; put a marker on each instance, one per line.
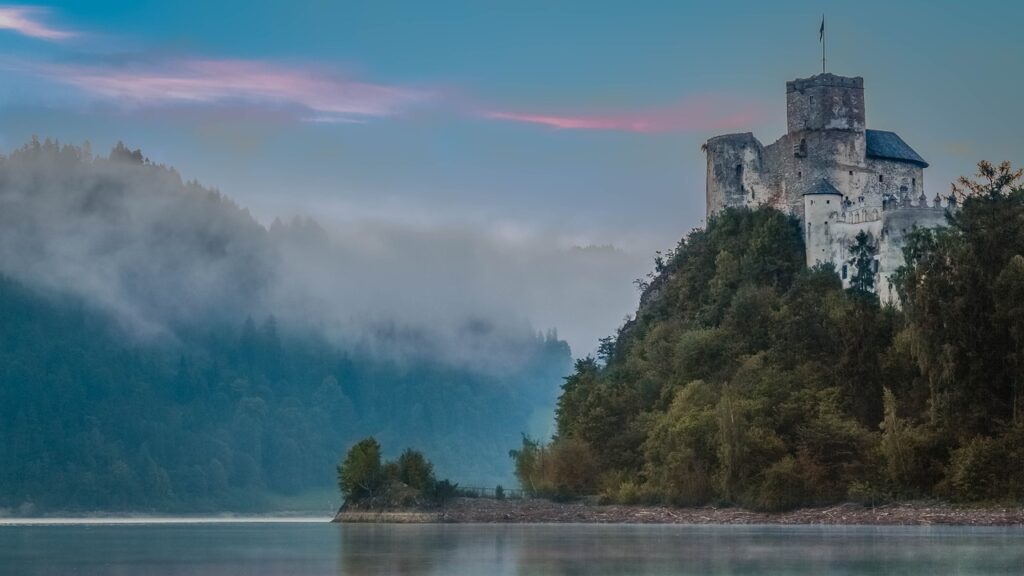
(831, 172)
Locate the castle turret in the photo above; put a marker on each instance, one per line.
(734, 166)
(822, 204)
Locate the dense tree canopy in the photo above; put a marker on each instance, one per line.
(746, 378)
(92, 419)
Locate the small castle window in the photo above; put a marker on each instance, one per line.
(913, 181)
(799, 173)
(881, 177)
(844, 271)
(828, 201)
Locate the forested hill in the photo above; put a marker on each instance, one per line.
(747, 379)
(154, 355)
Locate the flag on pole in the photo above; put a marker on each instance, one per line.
(821, 31)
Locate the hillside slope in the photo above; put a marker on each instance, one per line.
(747, 379)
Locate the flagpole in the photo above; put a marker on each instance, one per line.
(822, 43)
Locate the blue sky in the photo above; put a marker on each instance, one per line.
(571, 123)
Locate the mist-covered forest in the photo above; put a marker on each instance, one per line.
(747, 379)
(160, 350)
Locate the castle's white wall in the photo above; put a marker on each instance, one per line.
(821, 215)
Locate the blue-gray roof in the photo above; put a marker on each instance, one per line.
(823, 187)
(889, 146)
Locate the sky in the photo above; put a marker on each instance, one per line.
(567, 124)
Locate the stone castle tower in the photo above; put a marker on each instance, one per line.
(829, 170)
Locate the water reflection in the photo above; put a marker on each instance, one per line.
(373, 550)
(264, 549)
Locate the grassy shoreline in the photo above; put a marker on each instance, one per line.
(479, 510)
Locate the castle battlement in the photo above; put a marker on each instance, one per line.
(827, 80)
(830, 171)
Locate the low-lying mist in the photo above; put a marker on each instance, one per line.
(160, 253)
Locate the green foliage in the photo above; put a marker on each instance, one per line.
(862, 261)
(528, 465)
(960, 289)
(361, 475)
(747, 378)
(988, 468)
(414, 470)
(408, 481)
(563, 469)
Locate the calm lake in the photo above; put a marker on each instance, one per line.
(316, 547)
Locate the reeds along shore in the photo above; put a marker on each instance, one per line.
(481, 510)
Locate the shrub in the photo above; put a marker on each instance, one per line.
(631, 492)
(414, 470)
(563, 469)
(573, 470)
(913, 455)
(866, 494)
(988, 468)
(783, 487)
(444, 491)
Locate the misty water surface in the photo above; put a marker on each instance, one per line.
(263, 549)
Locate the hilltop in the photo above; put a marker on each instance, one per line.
(747, 379)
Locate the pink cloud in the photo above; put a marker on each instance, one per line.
(203, 81)
(704, 113)
(25, 20)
